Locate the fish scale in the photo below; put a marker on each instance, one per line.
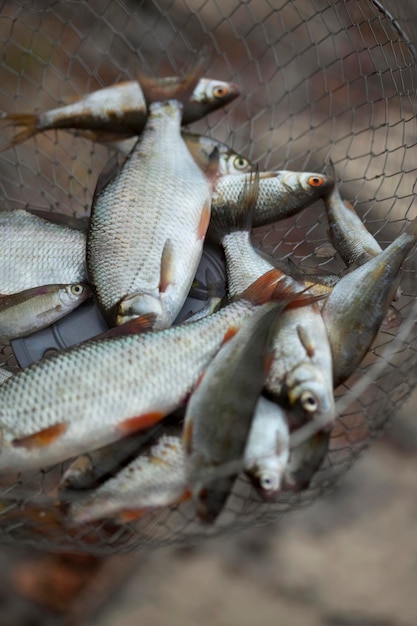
(159, 199)
(94, 388)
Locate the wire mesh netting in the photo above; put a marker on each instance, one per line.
(320, 80)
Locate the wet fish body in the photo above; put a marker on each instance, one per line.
(281, 194)
(347, 232)
(305, 461)
(91, 395)
(144, 249)
(119, 110)
(157, 477)
(220, 411)
(268, 448)
(35, 252)
(31, 310)
(359, 302)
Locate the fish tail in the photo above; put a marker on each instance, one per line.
(21, 119)
(239, 217)
(181, 88)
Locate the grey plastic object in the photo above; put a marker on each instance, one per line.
(86, 321)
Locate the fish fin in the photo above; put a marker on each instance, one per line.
(239, 217)
(140, 422)
(262, 289)
(141, 324)
(349, 206)
(181, 88)
(268, 360)
(204, 221)
(229, 334)
(187, 434)
(167, 256)
(306, 340)
(130, 515)
(41, 438)
(22, 135)
(212, 169)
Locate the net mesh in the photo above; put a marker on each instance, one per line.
(320, 80)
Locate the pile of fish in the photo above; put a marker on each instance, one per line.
(152, 413)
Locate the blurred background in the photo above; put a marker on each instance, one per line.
(320, 80)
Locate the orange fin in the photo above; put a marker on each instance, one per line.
(42, 438)
(141, 324)
(140, 422)
(187, 434)
(204, 221)
(212, 169)
(262, 290)
(166, 264)
(130, 515)
(230, 332)
(160, 89)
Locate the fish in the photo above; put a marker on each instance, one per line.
(95, 393)
(301, 373)
(157, 476)
(35, 252)
(357, 305)
(267, 451)
(33, 309)
(118, 110)
(305, 460)
(282, 193)
(348, 234)
(143, 250)
(221, 408)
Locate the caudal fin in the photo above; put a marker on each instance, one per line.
(237, 215)
(29, 120)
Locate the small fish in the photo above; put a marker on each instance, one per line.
(93, 394)
(359, 302)
(301, 372)
(220, 411)
(347, 232)
(143, 250)
(305, 460)
(33, 309)
(119, 110)
(281, 194)
(157, 476)
(35, 252)
(267, 452)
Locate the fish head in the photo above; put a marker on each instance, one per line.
(267, 475)
(233, 163)
(210, 94)
(230, 162)
(74, 293)
(310, 394)
(312, 185)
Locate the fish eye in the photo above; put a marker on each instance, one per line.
(309, 401)
(268, 482)
(240, 163)
(219, 91)
(315, 181)
(77, 290)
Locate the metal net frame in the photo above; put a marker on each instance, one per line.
(320, 80)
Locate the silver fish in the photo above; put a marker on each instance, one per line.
(347, 232)
(301, 372)
(91, 395)
(36, 252)
(268, 449)
(281, 194)
(220, 411)
(119, 110)
(305, 460)
(33, 309)
(4, 374)
(144, 249)
(157, 476)
(359, 302)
